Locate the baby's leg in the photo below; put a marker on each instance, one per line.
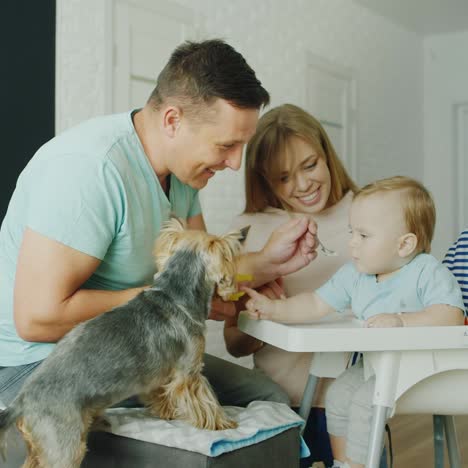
(338, 401)
(359, 425)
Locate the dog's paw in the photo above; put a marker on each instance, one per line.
(100, 424)
(225, 423)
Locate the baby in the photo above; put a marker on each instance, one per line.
(392, 281)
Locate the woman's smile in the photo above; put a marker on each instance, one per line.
(310, 199)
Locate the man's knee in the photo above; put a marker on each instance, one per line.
(238, 386)
(259, 387)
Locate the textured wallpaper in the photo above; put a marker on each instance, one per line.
(274, 36)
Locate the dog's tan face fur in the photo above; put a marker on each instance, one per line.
(220, 252)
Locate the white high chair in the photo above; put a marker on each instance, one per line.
(417, 369)
(423, 382)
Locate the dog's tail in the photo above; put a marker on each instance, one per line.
(8, 417)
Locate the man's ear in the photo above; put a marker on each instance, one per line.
(407, 244)
(171, 120)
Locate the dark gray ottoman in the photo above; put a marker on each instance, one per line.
(111, 451)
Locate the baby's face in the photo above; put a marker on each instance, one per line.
(376, 224)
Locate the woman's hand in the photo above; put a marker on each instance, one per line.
(384, 321)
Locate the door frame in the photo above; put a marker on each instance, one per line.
(349, 109)
(460, 190)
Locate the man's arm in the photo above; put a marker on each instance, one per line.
(237, 342)
(290, 247)
(196, 222)
(48, 301)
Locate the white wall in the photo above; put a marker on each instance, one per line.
(83, 73)
(387, 63)
(273, 36)
(445, 85)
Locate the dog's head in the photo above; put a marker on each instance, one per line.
(218, 252)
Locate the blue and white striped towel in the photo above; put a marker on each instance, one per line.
(259, 421)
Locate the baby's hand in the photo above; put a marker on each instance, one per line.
(259, 306)
(384, 321)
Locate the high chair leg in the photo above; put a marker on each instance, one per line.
(438, 432)
(452, 442)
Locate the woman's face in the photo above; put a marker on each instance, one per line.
(304, 181)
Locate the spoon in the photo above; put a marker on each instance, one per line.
(327, 252)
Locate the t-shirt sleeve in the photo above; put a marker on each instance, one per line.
(78, 202)
(437, 285)
(337, 291)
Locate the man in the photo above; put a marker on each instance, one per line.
(77, 237)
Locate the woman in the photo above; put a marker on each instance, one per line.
(292, 169)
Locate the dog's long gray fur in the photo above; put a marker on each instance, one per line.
(117, 354)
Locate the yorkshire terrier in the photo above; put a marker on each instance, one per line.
(151, 347)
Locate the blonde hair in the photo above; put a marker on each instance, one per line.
(267, 150)
(418, 206)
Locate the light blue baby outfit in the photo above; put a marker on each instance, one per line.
(422, 282)
(419, 284)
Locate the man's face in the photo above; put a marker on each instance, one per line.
(200, 149)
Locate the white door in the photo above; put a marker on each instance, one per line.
(461, 193)
(331, 98)
(145, 34)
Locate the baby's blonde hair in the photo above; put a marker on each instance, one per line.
(417, 203)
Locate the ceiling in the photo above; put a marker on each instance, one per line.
(423, 17)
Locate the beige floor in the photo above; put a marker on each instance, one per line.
(412, 441)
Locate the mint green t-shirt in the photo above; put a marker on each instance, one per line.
(91, 188)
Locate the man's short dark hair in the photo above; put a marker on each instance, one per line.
(200, 72)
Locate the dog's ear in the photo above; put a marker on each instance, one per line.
(167, 239)
(174, 224)
(230, 243)
(244, 232)
(238, 236)
(227, 248)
